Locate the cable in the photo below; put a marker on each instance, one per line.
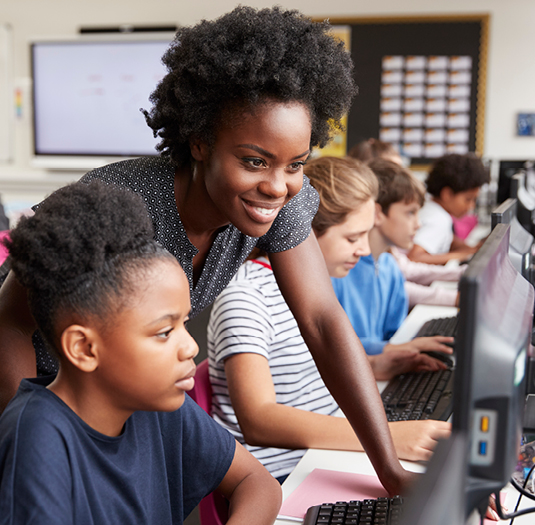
(522, 491)
(514, 483)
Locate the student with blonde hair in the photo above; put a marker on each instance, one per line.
(266, 388)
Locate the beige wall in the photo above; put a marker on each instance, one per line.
(511, 65)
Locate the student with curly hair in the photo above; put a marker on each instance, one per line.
(87, 445)
(453, 186)
(245, 99)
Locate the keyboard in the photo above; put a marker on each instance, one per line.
(419, 395)
(380, 511)
(446, 326)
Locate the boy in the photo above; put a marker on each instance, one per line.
(113, 438)
(373, 293)
(453, 185)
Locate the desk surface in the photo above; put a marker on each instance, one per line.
(358, 462)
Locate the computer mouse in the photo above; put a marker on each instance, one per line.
(441, 356)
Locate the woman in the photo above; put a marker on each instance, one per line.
(266, 388)
(246, 98)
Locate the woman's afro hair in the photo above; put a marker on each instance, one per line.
(243, 58)
(73, 254)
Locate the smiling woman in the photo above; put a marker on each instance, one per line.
(245, 99)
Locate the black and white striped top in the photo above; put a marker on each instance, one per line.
(251, 316)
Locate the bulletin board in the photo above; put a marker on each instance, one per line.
(421, 81)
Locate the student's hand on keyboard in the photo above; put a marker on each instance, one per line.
(394, 362)
(416, 440)
(436, 343)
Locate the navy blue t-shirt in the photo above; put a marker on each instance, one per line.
(56, 469)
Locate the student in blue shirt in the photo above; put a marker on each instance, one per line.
(113, 438)
(373, 293)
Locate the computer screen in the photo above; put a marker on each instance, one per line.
(438, 497)
(526, 202)
(492, 346)
(87, 95)
(520, 240)
(506, 170)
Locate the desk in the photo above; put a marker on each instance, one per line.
(358, 462)
(417, 317)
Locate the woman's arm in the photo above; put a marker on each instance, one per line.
(305, 284)
(255, 496)
(266, 423)
(17, 354)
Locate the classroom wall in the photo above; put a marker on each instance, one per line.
(510, 80)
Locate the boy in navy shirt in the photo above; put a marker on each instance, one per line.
(113, 438)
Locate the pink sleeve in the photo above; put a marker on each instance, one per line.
(425, 274)
(419, 294)
(3, 250)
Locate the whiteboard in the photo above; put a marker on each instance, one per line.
(6, 95)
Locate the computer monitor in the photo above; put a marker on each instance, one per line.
(526, 202)
(492, 346)
(506, 170)
(520, 241)
(87, 95)
(438, 497)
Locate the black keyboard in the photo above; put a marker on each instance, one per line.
(380, 511)
(446, 326)
(419, 395)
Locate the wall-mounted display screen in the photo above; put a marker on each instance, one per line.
(87, 95)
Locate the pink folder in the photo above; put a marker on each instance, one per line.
(330, 486)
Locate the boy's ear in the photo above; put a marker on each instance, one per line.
(379, 215)
(79, 345)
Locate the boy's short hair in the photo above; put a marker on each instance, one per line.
(458, 172)
(370, 149)
(396, 184)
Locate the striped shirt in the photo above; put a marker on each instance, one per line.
(251, 316)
